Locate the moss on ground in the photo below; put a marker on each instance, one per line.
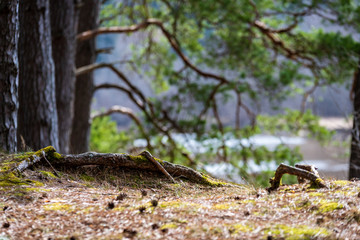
(297, 232)
(169, 226)
(47, 174)
(58, 207)
(328, 206)
(87, 178)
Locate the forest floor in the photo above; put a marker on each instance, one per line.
(108, 203)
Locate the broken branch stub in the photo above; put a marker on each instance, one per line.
(149, 157)
(300, 171)
(310, 168)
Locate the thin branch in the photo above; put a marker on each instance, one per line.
(237, 111)
(277, 42)
(107, 50)
(128, 112)
(118, 109)
(306, 95)
(171, 39)
(209, 100)
(116, 29)
(151, 116)
(221, 128)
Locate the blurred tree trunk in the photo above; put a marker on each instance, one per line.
(37, 116)
(9, 77)
(354, 166)
(85, 55)
(63, 15)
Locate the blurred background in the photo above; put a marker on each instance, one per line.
(232, 88)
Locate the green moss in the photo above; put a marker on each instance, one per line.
(298, 232)
(179, 204)
(35, 183)
(316, 194)
(317, 183)
(246, 201)
(5, 167)
(237, 228)
(48, 174)
(58, 207)
(225, 206)
(10, 179)
(212, 182)
(87, 178)
(341, 182)
(141, 159)
(28, 189)
(325, 206)
(169, 225)
(49, 152)
(112, 178)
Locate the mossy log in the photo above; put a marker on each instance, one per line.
(301, 171)
(140, 161)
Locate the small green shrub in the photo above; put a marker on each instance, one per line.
(105, 137)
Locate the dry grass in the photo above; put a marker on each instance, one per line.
(103, 203)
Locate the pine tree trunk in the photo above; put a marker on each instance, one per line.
(85, 55)
(63, 16)
(354, 166)
(9, 77)
(37, 116)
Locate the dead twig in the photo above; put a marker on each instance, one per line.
(297, 171)
(149, 157)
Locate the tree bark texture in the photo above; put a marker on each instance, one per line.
(354, 166)
(84, 87)
(9, 77)
(63, 16)
(37, 116)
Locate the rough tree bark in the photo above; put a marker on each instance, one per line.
(37, 116)
(63, 15)
(84, 87)
(9, 77)
(354, 166)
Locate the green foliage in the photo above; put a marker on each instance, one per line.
(208, 53)
(294, 121)
(105, 137)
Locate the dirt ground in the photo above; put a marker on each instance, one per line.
(103, 203)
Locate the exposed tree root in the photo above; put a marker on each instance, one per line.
(144, 161)
(301, 171)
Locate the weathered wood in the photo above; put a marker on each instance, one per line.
(304, 174)
(310, 168)
(149, 157)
